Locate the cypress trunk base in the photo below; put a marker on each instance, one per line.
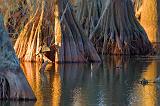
(13, 84)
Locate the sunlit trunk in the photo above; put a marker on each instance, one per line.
(70, 42)
(39, 27)
(149, 19)
(158, 8)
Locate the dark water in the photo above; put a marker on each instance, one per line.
(112, 83)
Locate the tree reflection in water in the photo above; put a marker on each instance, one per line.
(148, 94)
(114, 82)
(41, 82)
(17, 103)
(111, 84)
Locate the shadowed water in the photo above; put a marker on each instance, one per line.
(112, 83)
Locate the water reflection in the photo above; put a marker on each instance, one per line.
(74, 78)
(111, 84)
(17, 103)
(148, 93)
(56, 87)
(41, 83)
(114, 82)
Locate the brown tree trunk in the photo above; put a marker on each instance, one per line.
(118, 31)
(158, 8)
(74, 46)
(149, 18)
(71, 43)
(13, 84)
(88, 13)
(38, 28)
(15, 15)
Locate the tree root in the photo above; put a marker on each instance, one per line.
(118, 32)
(4, 88)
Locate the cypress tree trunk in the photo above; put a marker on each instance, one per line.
(118, 31)
(73, 1)
(88, 13)
(69, 41)
(15, 15)
(148, 14)
(38, 28)
(13, 84)
(158, 8)
(74, 46)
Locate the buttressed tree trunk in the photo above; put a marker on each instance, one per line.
(13, 84)
(38, 28)
(74, 46)
(53, 17)
(118, 31)
(158, 7)
(148, 17)
(88, 13)
(15, 14)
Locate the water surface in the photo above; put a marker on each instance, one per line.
(112, 83)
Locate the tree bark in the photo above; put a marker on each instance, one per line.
(69, 42)
(148, 17)
(88, 13)
(158, 8)
(39, 27)
(73, 44)
(118, 31)
(13, 84)
(15, 15)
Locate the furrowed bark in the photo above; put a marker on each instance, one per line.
(13, 84)
(39, 27)
(74, 46)
(69, 40)
(118, 31)
(88, 13)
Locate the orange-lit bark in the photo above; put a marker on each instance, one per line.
(70, 42)
(37, 29)
(149, 19)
